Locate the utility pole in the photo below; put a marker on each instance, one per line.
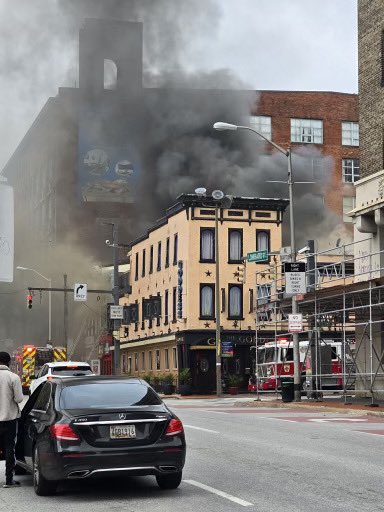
(65, 312)
(116, 296)
(219, 389)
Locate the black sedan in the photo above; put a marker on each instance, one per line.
(84, 427)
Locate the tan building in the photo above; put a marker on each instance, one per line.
(170, 318)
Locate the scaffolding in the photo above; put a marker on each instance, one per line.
(344, 302)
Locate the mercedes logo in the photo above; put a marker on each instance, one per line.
(122, 416)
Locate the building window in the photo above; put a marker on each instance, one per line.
(166, 357)
(174, 351)
(348, 205)
(151, 260)
(150, 360)
(207, 212)
(175, 248)
(158, 366)
(166, 307)
(167, 253)
(159, 256)
(143, 360)
(351, 170)
(265, 215)
(307, 131)
(143, 265)
(129, 369)
(235, 301)
(137, 266)
(263, 239)
(235, 245)
(251, 299)
(136, 361)
(207, 244)
(207, 301)
(262, 124)
(174, 304)
(350, 134)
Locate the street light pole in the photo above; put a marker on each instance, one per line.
(49, 299)
(219, 389)
(287, 152)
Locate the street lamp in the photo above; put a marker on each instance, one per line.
(287, 152)
(223, 201)
(49, 299)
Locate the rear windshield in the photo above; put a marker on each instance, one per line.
(107, 395)
(72, 371)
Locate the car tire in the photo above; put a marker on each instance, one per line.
(171, 481)
(42, 486)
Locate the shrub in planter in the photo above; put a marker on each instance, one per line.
(168, 383)
(148, 377)
(185, 381)
(157, 382)
(234, 381)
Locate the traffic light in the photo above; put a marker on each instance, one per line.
(241, 273)
(29, 301)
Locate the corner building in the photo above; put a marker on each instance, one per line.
(170, 315)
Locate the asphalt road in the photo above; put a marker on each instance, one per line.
(241, 459)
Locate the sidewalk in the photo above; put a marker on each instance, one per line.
(334, 403)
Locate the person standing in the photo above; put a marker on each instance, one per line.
(11, 394)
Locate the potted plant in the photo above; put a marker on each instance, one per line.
(234, 381)
(148, 377)
(185, 381)
(156, 382)
(168, 383)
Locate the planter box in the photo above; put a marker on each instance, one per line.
(168, 389)
(185, 389)
(232, 390)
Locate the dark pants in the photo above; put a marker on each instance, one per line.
(8, 433)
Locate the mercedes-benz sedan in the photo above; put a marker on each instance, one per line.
(77, 428)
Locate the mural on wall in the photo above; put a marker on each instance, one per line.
(108, 164)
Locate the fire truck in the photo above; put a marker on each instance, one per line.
(28, 359)
(275, 360)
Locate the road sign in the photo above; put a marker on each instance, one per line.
(258, 257)
(295, 322)
(116, 312)
(80, 292)
(295, 282)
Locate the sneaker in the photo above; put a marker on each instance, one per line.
(12, 484)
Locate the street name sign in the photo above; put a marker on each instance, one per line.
(116, 312)
(257, 257)
(295, 322)
(295, 281)
(80, 292)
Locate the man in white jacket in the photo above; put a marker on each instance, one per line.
(11, 394)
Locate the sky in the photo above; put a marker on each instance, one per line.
(266, 44)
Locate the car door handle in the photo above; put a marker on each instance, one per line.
(34, 420)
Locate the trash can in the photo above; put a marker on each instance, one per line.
(287, 389)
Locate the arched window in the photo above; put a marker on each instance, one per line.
(262, 240)
(110, 74)
(235, 245)
(206, 301)
(207, 244)
(235, 302)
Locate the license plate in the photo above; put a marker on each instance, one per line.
(122, 431)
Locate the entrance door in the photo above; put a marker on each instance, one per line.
(203, 371)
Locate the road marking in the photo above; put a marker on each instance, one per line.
(371, 432)
(342, 420)
(239, 501)
(203, 429)
(215, 412)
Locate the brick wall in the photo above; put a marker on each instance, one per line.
(371, 90)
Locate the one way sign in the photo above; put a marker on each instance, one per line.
(80, 292)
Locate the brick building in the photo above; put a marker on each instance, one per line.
(326, 123)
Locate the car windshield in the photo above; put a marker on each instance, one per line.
(71, 371)
(107, 395)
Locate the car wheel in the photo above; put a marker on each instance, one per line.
(171, 481)
(42, 486)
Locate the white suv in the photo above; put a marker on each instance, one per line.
(62, 369)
